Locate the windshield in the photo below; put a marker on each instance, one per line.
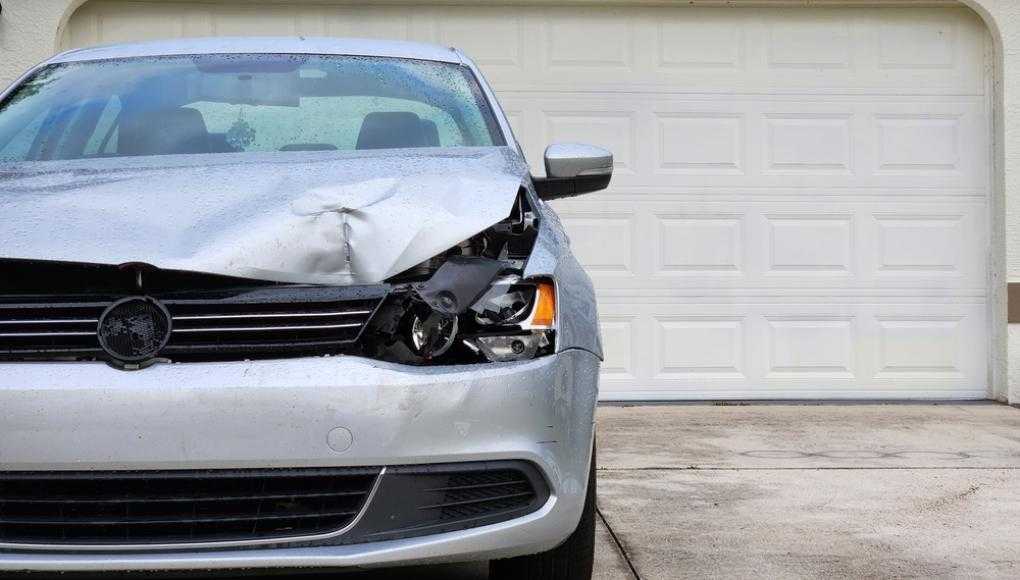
(242, 103)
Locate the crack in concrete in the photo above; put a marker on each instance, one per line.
(619, 544)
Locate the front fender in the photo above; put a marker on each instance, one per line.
(578, 324)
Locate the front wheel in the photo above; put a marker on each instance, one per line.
(571, 560)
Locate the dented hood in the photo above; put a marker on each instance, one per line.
(330, 217)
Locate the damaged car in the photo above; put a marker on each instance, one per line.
(288, 303)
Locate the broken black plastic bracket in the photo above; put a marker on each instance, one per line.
(459, 283)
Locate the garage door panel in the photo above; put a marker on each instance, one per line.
(606, 243)
(786, 143)
(362, 22)
(811, 347)
(620, 341)
(703, 41)
(586, 49)
(799, 207)
(250, 19)
(776, 246)
(844, 350)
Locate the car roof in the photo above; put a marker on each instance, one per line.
(265, 45)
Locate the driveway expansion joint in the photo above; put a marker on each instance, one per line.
(619, 544)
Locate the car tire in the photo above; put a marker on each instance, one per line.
(571, 560)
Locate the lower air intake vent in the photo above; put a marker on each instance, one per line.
(431, 499)
(166, 507)
(475, 494)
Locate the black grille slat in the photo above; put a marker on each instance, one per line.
(274, 321)
(140, 521)
(197, 499)
(488, 498)
(96, 508)
(188, 475)
(262, 347)
(481, 493)
(266, 327)
(481, 485)
(37, 351)
(60, 328)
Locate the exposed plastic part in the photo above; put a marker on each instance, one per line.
(510, 348)
(459, 283)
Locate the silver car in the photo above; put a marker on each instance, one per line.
(288, 303)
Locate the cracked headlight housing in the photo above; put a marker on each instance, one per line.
(515, 320)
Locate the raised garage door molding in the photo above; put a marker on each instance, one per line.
(800, 207)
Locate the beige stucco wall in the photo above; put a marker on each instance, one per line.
(30, 31)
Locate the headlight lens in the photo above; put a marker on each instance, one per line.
(517, 320)
(510, 348)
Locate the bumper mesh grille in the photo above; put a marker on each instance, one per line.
(95, 508)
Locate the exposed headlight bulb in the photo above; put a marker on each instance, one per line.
(433, 335)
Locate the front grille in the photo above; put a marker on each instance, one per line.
(123, 508)
(205, 325)
(201, 327)
(60, 328)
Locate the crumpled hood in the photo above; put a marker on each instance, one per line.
(332, 217)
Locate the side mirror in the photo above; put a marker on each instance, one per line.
(572, 169)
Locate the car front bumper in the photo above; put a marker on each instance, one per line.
(310, 412)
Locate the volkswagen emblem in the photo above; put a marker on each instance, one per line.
(134, 329)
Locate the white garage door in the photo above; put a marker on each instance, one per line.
(800, 207)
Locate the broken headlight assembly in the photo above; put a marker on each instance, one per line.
(469, 304)
(514, 320)
(509, 319)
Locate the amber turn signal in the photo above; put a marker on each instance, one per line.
(545, 305)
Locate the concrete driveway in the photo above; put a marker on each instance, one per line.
(812, 491)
